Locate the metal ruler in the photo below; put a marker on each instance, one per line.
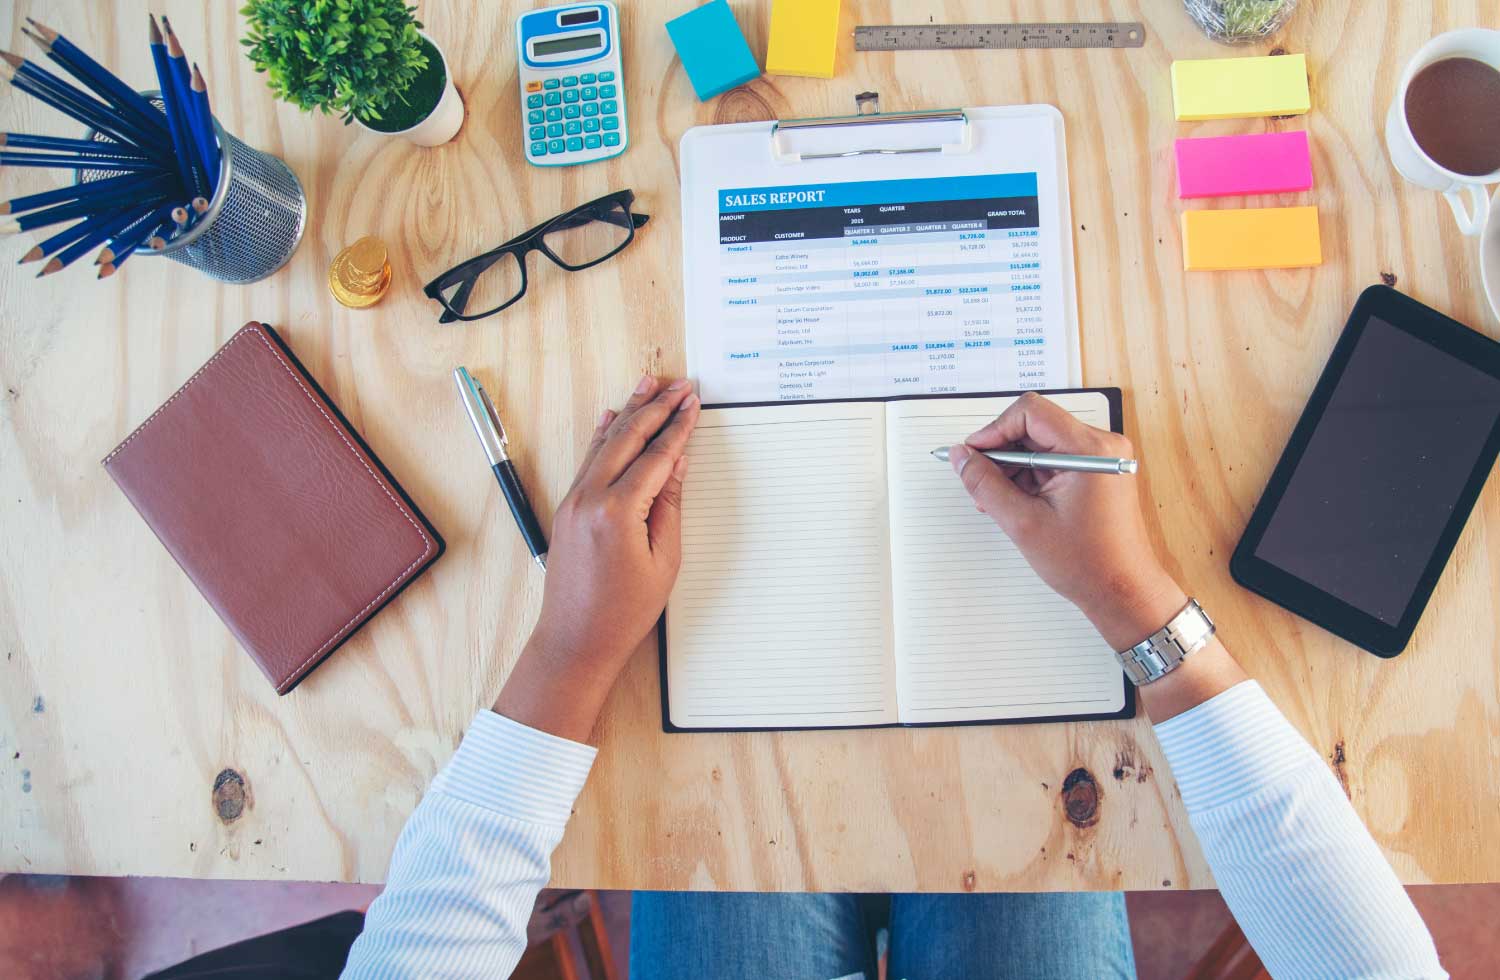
(941, 37)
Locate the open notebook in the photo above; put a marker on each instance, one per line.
(835, 574)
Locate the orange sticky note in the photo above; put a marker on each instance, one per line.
(1251, 238)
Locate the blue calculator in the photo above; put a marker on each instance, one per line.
(572, 91)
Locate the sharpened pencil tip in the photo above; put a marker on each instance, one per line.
(14, 60)
(200, 204)
(4, 207)
(199, 85)
(105, 271)
(31, 256)
(50, 268)
(47, 33)
(105, 255)
(155, 31)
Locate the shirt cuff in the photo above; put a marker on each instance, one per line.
(516, 771)
(1231, 746)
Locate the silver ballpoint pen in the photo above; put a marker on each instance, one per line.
(1054, 461)
(492, 437)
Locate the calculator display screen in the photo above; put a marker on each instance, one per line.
(586, 42)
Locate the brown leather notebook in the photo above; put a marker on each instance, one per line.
(274, 506)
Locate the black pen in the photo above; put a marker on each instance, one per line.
(491, 434)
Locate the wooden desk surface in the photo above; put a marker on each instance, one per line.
(122, 697)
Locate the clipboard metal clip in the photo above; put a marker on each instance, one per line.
(868, 104)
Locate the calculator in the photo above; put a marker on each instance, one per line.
(572, 92)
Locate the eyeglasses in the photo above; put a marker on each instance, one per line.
(576, 239)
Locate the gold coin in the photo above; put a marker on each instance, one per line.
(360, 274)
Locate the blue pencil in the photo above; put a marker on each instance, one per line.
(143, 196)
(208, 139)
(68, 236)
(86, 191)
(131, 234)
(182, 92)
(158, 239)
(176, 124)
(107, 125)
(87, 243)
(107, 269)
(75, 162)
(26, 141)
(77, 63)
(82, 102)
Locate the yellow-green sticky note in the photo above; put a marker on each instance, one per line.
(1241, 88)
(804, 38)
(1251, 238)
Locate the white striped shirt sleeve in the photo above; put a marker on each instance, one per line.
(1298, 869)
(470, 861)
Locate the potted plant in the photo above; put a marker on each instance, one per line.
(367, 60)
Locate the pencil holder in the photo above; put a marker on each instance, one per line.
(254, 221)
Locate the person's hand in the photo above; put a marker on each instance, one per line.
(615, 550)
(1083, 532)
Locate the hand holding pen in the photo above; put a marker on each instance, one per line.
(1083, 533)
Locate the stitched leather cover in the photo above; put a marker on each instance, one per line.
(276, 509)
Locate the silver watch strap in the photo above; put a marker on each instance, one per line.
(1161, 652)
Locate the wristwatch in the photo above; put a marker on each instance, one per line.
(1163, 651)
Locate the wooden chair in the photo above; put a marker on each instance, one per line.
(567, 939)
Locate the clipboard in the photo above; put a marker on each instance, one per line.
(762, 329)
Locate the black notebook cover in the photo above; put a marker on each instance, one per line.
(1116, 424)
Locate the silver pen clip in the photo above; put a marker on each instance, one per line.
(482, 414)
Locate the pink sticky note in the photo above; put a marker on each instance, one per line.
(1260, 163)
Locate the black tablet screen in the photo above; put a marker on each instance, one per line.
(1387, 462)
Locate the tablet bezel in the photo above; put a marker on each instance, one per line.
(1309, 601)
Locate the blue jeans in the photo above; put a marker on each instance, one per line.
(749, 936)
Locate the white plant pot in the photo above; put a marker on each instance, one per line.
(443, 122)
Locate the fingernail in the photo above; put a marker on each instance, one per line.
(678, 385)
(605, 417)
(644, 385)
(958, 456)
(690, 402)
(679, 468)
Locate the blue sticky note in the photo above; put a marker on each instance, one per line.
(712, 48)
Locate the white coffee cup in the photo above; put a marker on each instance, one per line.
(1412, 161)
(1489, 257)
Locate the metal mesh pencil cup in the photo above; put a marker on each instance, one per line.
(254, 222)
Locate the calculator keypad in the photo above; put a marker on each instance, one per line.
(581, 112)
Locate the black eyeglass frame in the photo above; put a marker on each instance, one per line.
(469, 271)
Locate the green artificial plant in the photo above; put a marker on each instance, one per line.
(363, 59)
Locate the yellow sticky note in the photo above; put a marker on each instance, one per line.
(804, 38)
(1251, 238)
(1241, 88)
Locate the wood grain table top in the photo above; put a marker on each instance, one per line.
(135, 738)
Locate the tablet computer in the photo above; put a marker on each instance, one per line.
(1379, 475)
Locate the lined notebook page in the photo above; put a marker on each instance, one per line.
(978, 635)
(781, 614)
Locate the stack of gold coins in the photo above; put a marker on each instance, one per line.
(360, 274)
